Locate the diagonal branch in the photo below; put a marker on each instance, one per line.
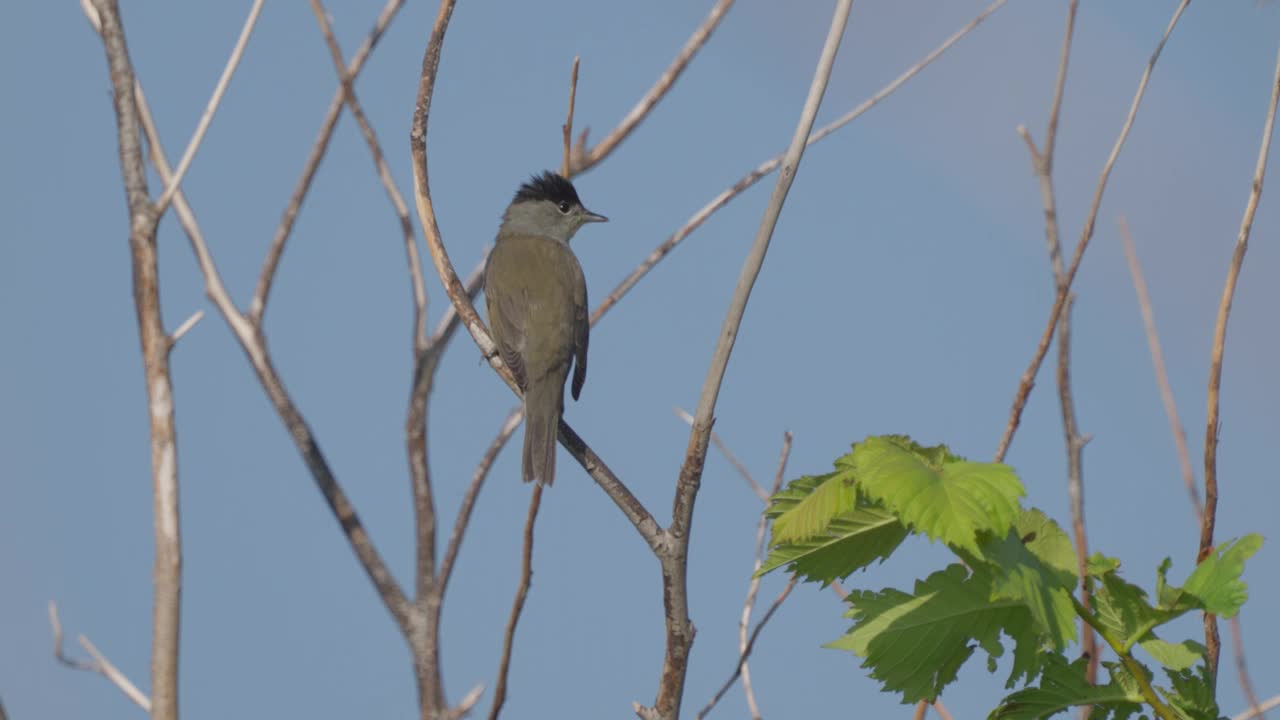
(1212, 641)
(581, 160)
(768, 166)
(751, 643)
(261, 293)
(100, 663)
(517, 604)
(733, 460)
(675, 561)
(1027, 381)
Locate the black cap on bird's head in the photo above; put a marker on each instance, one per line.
(549, 186)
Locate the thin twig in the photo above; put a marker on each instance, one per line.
(567, 128)
(742, 659)
(768, 166)
(185, 327)
(155, 342)
(635, 511)
(100, 664)
(583, 160)
(754, 587)
(1268, 704)
(416, 280)
(210, 108)
(261, 293)
(1162, 375)
(1242, 669)
(716, 440)
(675, 563)
(1213, 643)
(922, 707)
(517, 604)
(941, 709)
(508, 428)
(1027, 381)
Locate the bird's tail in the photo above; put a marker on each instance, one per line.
(542, 408)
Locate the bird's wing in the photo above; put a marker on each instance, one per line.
(506, 322)
(581, 334)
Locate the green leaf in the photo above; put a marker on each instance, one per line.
(915, 644)
(1063, 687)
(1020, 575)
(1099, 564)
(1192, 694)
(949, 500)
(831, 495)
(1124, 611)
(850, 542)
(1216, 583)
(1173, 656)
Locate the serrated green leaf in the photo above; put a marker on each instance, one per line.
(915, 644)
(809, 517)
(1099, 564)
(952, 500)
(1020, 575)
(797, 490)
(1173, 656)
(1122, 609)
(1216, 583)
(1063, 687)
(850, 542)
(1192, 694)
(1047, 541)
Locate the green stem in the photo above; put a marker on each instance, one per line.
(1133, 666)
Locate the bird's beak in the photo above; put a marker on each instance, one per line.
(588, 216)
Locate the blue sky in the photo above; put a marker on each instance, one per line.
(904, 292)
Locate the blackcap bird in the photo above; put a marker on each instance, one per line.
(537, 302)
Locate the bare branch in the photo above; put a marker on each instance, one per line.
(210, 108)
(1162, 375)
(258, 306)
(517, 604)
(508, 428)
(567, 128)
(416, 279)
(922, 707)
(716, 440)
(583, 160)
(1242, 669)
(254, 345)
(742, 659)
(675, 562)
(635, 511)
(1027, 381)
(772, 164)
(100, 664)
(185, 327)
(941, 709)
(1254, 712)
(1212, 641)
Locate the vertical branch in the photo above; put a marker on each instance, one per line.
(143, 220)
(1027, 381)
(567, 128)
(1212, 641)
(674, 560)
(517, 604)
(1242, 669)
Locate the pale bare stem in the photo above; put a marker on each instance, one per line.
(716, 440)
(583, 160)
(1162, 375)
(1027, 381)
(772, 164)
(508, 428)
(186, 326)
(1042, 163)
(754, 587)
(100, 664)
(261, 293)
(755, 634)
(254, 345)
(635, 511)
(416, 280)
(567, 128)
(941, 709)
(464, 706)
(517, 604)
(1212, 641)
(210, 108)
(1242, 669)
(143, 221)
(1254, 712)
(675, 562)
(922, 707)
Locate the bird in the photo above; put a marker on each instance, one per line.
(536, 298)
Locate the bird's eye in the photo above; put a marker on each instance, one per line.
(564, 207)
